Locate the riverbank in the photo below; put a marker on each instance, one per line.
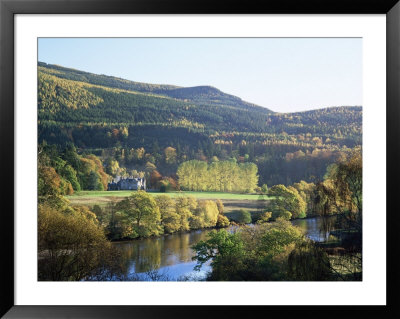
(170, 256)
(297, 222)
(181, 232)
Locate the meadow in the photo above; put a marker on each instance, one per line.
(232, 202)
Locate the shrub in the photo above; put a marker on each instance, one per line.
(222, 221)
(264, 217)
(243, 217)
(206, 215)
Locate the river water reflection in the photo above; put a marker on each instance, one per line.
(171, 256)
(317, 228)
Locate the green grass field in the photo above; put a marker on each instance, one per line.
(199, 195)
(232, 202)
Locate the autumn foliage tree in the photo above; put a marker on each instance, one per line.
(170, 219)
(72, 245)
(222, 176)
(141, 213)
(286, 200)
(205, 215)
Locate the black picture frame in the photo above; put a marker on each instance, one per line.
(8, 8)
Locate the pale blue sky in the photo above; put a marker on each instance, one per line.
(283, 74)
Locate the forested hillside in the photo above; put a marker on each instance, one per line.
(200, 94)
(140, 128)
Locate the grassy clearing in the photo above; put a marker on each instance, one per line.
(199, 195)
(232, 202)
(232, 207)
(89, 194)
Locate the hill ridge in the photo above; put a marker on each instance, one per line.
(195, 93)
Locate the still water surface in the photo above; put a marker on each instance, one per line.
(171, 256)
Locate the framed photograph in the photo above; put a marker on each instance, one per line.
(174, 158)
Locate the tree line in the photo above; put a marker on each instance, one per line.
(219, 176)
(143, 215)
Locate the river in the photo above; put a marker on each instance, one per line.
(170, 257)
